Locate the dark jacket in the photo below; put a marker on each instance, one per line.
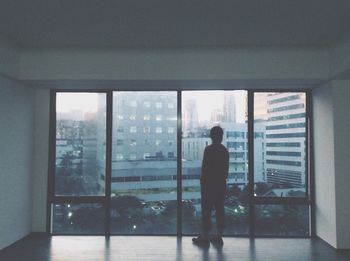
(215, 164)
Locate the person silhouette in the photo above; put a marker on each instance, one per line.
(213, 177)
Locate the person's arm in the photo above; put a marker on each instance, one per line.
(204, 164)
(226, 165)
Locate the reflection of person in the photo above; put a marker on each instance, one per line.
(213, 187)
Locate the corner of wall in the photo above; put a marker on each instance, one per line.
(16, 113)
(40, 158)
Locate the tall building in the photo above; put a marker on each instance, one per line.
(285, 139)
(216, 116)
(190, 119)
(144, 145)
(229, 108)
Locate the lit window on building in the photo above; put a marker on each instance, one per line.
(147, 104)
(158, 142)
(132, 142)
(159, 130)
(171, 129)
(146, 117)
(132, 117)
(158, 117)
(133, 129)
(119, 156)
(159, 105)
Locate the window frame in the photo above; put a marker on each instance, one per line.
(105, 200)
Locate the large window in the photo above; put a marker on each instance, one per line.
(80, 143)
(201, 110)
(280, 117)
(280, 120)
(143, 192)
(129, 162)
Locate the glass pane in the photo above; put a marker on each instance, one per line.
(78, 219)
(282, 220)
(201, 110)
(144, 163)
(80, 144)
(279, 144)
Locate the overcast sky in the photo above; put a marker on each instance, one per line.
(206, 102)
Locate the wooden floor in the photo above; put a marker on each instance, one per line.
(145, 248)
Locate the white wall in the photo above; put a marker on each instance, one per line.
(16, 143)
(323, 135)
(40, 158)
(331, 145)
(341, 97)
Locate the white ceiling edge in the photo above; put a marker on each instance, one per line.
(336, 73)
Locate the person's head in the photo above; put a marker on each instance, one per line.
(216, 134)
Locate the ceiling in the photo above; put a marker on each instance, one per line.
(174, 23)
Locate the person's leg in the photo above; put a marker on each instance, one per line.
(206, 206)
(220, 215)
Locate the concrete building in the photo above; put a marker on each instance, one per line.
(285, 139)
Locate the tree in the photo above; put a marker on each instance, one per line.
(261, 188)
(130, 214)
(234, 190)
(68, 177)
(90, 219)
(122, 203)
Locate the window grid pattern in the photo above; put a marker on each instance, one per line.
(236, 145)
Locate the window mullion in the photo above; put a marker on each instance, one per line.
(251, 163)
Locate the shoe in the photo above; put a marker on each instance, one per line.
(201, 241)
(217, 240)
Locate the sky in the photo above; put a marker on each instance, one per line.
(206, 102)
(86, 102)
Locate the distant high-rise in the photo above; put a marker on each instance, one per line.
(229, 108)
(190, 116)
(216, 116)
